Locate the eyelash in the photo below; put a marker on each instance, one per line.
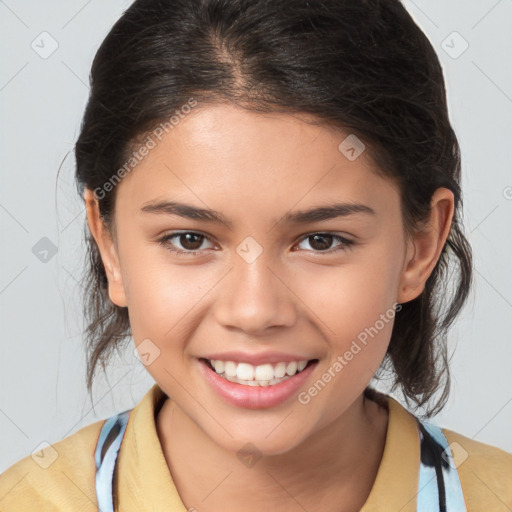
(164, 241)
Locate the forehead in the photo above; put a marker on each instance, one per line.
(225, 157)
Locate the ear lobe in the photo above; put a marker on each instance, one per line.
(107, 249)
(426, 245)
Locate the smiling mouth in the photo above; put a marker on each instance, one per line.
(268, 374)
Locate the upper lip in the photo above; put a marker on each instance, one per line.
(256, 358)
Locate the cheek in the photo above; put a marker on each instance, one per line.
(352, 296)
(355, 308)
(159, 294)
(356, 349)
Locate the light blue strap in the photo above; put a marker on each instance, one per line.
(105, 466)
(428, 493)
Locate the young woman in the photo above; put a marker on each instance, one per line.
(273, 199)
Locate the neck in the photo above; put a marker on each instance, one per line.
(334, 469)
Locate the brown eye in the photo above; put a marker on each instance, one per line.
(190, 241)
(322, 242)
(185, 242)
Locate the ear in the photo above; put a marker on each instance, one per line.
(425, 247)
(107, 248)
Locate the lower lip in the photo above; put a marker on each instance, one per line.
(255, 397)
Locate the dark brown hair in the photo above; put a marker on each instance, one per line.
(363, 66)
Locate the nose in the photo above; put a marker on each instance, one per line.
(255, 297)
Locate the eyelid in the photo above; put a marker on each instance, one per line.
(344, 236)
(164, 240)
(346, 243)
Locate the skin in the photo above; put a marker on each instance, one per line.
(295, 297)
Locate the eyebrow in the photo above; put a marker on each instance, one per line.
(316, 214)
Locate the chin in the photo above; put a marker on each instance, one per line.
(266, 439)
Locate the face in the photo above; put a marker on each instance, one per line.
(255, 287)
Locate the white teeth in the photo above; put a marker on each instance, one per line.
(263, 375)
(247, 382)
(229, 368)
(264, 372)
(219, 366)
(291, 369)
(245, 371)
(280, 370)
(255, 383)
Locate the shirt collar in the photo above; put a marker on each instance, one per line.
(143, 480)
(396, 485)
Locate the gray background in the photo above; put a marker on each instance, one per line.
(42, 97)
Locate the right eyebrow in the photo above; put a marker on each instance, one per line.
(186, 211)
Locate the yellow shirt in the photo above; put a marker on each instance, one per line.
(144, 482)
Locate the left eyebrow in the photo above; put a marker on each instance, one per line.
(319, 213)
(327, 212)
